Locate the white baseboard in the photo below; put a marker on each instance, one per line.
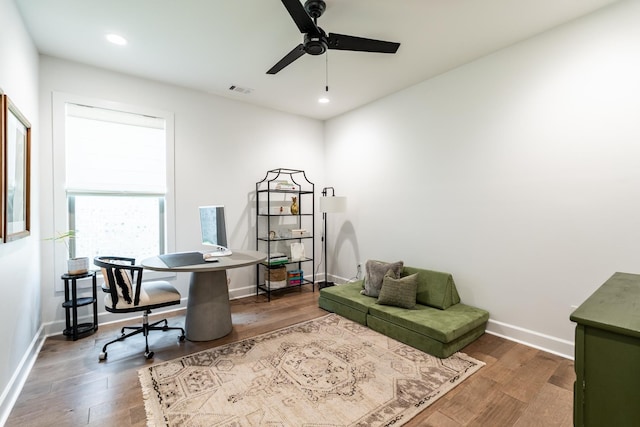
(14, 387)
(104, 318)
(250, 290)
(245, 291)
(533, 339)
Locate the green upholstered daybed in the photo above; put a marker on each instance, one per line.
(438, 324)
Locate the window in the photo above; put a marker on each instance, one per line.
(115, 182)
(116, 178)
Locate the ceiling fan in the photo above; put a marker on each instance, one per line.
(316, 41)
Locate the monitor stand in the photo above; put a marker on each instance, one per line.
(217, 252)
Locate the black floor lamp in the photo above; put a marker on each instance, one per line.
(329, 204)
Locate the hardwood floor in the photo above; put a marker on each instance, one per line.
(519, 386)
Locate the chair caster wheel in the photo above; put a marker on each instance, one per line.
(149, 355)
(102, 356)
(182, 338)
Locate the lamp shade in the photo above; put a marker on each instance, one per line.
(333, 204)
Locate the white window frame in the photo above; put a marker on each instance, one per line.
(60, 203)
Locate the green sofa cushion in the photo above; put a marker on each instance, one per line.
(343, 310)
(435, 289)
(349, 295)
(422, 342)
(441, 325)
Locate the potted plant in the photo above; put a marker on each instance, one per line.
(77, 265)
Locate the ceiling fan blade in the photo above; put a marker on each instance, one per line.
(300, 17)
(343, 42)
(296, 53)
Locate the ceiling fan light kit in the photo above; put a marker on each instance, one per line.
(324, 99)
(316, 41)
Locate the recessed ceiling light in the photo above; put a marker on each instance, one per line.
(116, 39)
(323, 100)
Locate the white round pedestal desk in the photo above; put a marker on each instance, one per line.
(208, 314)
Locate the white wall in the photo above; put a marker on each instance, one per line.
(222, 147)
(19, 260)
(518, 173)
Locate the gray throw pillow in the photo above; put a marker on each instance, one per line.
(374, 273)
(399, 292)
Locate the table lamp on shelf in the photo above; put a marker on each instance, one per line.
(329, 204)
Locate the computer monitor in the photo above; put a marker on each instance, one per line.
(213, 230)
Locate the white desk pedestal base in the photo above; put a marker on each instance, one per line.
(208, 312)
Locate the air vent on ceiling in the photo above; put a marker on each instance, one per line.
(240, 89)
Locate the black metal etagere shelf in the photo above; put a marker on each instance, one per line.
(278, 226)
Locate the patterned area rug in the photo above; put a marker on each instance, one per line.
(324, 372)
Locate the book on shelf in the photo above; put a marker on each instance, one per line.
(295, 277)
(285, 185)
(276, 258)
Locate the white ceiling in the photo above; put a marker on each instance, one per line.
(209, 45)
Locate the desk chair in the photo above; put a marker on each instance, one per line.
(126, 294)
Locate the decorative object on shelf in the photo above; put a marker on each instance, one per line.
(78, 265)
(297, 251)
(75, 265)
(300, 232)
(285, 227)
(285, 185)
(276, 209)
(15, 176)
(329, 204)
(276, 277)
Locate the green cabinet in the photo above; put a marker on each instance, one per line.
(607, 355)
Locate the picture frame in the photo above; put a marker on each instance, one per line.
(2, 126)
(297, 251)
(16, 172)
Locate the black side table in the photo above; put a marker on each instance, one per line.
(72, 302)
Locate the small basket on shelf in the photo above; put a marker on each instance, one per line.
(275, 277)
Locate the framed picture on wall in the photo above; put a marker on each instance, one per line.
(2, 110)
(16, 176)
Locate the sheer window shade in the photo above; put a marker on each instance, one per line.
(109, 150)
